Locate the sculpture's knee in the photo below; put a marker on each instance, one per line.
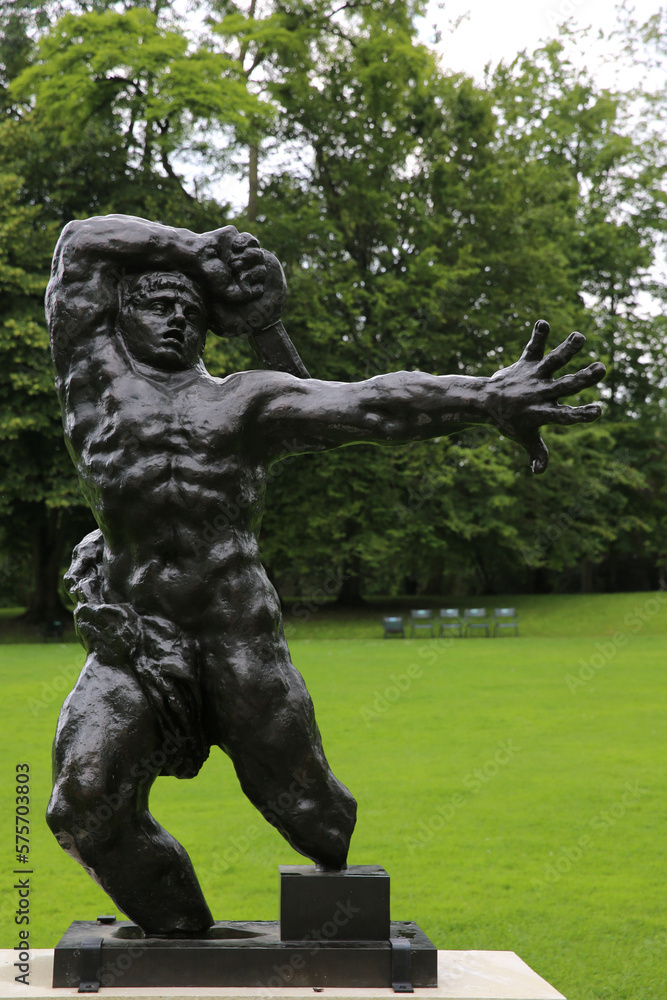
(81, 814)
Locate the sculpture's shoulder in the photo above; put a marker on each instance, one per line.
(252, 389)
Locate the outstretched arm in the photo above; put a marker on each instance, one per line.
(311, 415)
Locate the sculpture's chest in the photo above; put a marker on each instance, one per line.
(143, 416)
(142, 437)
(135, 417)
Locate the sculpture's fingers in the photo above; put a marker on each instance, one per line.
(244, 290)
(569, 384)
(243, 241)
(252, 276)
(560, 355)
(249, 276)
(226, 322)
(554, 413)
(221, 241)
(534, 349)
(224, 235)
(235, 293)
(537, 450)
(249, 257)
(257, 296)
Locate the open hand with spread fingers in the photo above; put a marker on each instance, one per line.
(524, 396)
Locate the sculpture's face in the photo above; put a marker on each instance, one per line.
(164, 324)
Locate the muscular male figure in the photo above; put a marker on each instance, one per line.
(185, 642)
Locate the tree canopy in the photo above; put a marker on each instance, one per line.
(424, 222)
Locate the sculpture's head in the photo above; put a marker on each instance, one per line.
(162, 319)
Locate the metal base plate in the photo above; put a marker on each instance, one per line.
(239, 953)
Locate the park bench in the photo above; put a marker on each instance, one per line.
(450, 618)
(393, 626)
(505, 618)
(51, 630)
(421, 619)
(476, 618)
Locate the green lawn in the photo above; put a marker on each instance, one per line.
(514, 788)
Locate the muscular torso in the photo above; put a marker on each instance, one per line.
(176, 487)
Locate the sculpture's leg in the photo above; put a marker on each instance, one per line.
(260, 713)
(107, 752)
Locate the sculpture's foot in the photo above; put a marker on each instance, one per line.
(330, 868)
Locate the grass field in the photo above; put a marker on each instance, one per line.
(514, 789)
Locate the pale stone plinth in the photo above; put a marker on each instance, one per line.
(462, 975)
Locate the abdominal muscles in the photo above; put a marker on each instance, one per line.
(181, 535)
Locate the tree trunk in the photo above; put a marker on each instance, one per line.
(253, 182)
(538, 581)
(586, 571)
(349, 595)
(45, 605)
(434, 583)
(487, 581)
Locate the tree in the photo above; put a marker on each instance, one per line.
(609, 148)
(39, 494)
(60, 160)
(436, 248)
(424, 222)
(140, 84)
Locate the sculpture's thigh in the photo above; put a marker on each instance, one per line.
(259, 711)
(105, 753)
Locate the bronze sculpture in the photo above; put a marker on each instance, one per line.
(185, 643)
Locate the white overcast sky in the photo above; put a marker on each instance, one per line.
(494, 30)
(497, 29)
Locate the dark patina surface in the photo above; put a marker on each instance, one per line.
(184, 635)
(247, 954)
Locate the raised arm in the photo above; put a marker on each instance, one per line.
(92, 256)
(311, 415)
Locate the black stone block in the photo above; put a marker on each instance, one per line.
(350, 905)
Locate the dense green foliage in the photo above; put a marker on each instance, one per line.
(424, 222)
(554, 852)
